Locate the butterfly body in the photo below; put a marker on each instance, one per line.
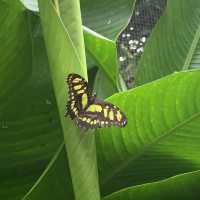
(88, 111)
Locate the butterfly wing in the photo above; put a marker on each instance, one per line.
(78, 95)
(87, 110)
(101, 114)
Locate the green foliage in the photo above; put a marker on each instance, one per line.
(28, 113)
(184, 186)
(173, 41)
(44, 156)
(162, 135)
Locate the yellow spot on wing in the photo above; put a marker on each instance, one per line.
(88, 120)
(119, 116)
(105, 111)
(75, 111)
(80, 91)
(72, 104)
(76, 80)
(111, 115)
(95, 121)
(77, 87)
(94, 108)
(84, 100)
(84, 119)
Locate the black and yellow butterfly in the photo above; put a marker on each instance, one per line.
(87, 110)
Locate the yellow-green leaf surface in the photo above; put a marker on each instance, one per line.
(184, 186)
(28, 116)
(65, 58)
(173, 41)
(162, 136)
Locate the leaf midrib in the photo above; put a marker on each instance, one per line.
(149, 146)
(192, 49)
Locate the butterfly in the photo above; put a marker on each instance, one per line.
(87, 110)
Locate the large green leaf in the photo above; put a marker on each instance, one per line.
(106, 17)
(107, 59)
(107, 22)
(94, 44)
(162, 137)
(55, 182)
(39, 65)
(103, 86)
(185, 186)
(28, 115)
(173, 41)
(137, 154)
(64, 58)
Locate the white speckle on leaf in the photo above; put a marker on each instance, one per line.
(4, 125)
(48, 102)
(109, 21)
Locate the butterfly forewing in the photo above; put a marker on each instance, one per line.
(78, 95)
(87, 110)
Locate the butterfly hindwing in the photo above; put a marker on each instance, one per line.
(105, 114)
(87, 110)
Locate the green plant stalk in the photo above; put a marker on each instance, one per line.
(64, 58)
